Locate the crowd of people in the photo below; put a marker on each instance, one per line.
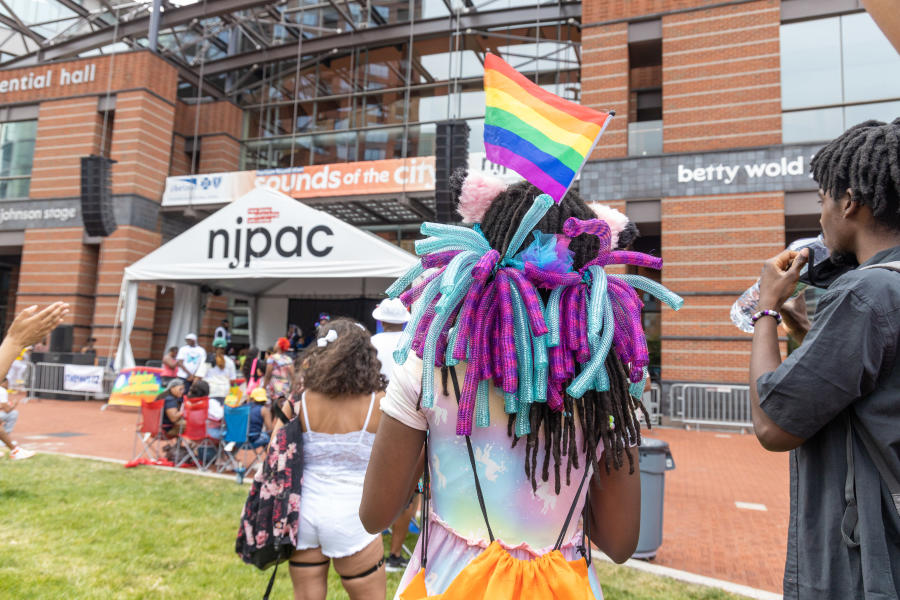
(516, 434)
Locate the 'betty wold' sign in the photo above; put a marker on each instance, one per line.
(771, 168)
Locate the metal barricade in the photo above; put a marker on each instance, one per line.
(708, 404)
(651, 401)
(47, 380)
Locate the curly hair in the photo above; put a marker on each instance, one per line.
(348, 366)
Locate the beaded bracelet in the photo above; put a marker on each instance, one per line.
(765, 313)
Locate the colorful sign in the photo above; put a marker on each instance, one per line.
(136, 385)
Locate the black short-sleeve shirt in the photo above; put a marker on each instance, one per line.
(170, 402)
(848, 362)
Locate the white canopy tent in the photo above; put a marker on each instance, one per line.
(265, 247)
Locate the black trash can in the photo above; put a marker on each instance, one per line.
(655, 460)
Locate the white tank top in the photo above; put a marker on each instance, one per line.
(337, 457)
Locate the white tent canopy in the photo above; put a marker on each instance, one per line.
(263, 246)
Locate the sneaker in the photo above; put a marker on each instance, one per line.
(229, 446)
(395, 564)
(20, 453)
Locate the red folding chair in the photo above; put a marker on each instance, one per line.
(195, 440)
(149, 430)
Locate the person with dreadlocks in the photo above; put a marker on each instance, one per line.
(834, 401)
(519, 372)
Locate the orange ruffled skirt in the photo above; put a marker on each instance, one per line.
(495, 574)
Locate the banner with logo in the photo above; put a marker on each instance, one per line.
(83, 378)
(136, 385)
(371, 177)
(390, 176)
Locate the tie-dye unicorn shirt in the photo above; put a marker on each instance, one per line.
(527, 523)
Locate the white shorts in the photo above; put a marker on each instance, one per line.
(329, 519)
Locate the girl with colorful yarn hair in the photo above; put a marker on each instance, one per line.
(520, 374)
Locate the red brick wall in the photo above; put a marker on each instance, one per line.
(714, 244)
(57, 266)
(721, 78)
(66, 131)
(218, 130)
(604, 83)
(141, 143)
(594, 11)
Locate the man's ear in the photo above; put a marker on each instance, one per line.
(849, 206)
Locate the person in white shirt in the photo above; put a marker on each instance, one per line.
(220, 375)
(190, 358)
(393, 316)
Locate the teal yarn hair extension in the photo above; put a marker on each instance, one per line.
(450, 287)
(438, 244)
(475, 240)
(551, 316)
(509, 403)
(525, 391)
(482, 404)
(405, 280)
(535, 213)
(429, 350)
(600, 317)
(406, 338)
(458, 263)
(640, 282)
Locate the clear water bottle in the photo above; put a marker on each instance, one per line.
(748, 304)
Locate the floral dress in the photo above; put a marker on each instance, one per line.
(526, 522)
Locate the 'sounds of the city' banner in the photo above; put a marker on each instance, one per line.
(391, 176)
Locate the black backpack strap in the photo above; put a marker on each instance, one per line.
(271, 582)
(487, 523)
(562, 534)
(426, 497)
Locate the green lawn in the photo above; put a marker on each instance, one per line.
(79, 529)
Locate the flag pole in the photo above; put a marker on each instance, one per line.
(606, 121)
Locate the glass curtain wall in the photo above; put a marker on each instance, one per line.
(384, 102)
(835, 73)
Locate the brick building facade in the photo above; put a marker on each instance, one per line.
(698, 154)
(123, 106)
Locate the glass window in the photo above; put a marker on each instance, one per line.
(817, 125)
(811, 63)
(334, 148)
(645, 137)
(16, 157)
(881, 111)
(871, 65)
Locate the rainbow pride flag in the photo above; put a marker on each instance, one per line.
(540, 136)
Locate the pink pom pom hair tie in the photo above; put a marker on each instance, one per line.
(479, 190)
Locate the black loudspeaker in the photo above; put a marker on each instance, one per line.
(61, 339)
(451, 152)
(96, 196)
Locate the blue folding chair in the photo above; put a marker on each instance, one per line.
(235, 439)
